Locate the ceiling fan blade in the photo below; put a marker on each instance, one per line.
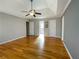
(24, 11)
(34, 15)
(27, 14)
(37, 13)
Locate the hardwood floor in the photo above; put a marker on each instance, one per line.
(33, 47)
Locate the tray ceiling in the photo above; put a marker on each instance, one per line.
(48, 8)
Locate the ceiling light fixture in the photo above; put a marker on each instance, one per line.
(32, 11)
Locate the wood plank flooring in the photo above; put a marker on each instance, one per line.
(33, 47)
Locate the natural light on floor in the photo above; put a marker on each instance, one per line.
(40, 40)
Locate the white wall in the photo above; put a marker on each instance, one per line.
(36, 27)
(31, 28)
(11, 27)
(71, 28)
(52, 28)
(55, 27)
(59, 27)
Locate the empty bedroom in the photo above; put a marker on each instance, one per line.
(38, 29)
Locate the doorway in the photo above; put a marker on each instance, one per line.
(27, 28)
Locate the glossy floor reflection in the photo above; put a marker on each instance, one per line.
(40, 41)
(34, 47)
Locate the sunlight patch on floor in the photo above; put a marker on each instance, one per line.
(40, 40)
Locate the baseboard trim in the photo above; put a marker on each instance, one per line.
(55, 37)
(12, 40)
(67, 50)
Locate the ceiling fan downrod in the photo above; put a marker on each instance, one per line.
(31, 0)
(31, 4)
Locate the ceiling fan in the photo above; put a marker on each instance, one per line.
(32, 11)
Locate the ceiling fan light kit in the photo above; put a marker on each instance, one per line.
(32, 12)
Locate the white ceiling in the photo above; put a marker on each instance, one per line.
(48, 8)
